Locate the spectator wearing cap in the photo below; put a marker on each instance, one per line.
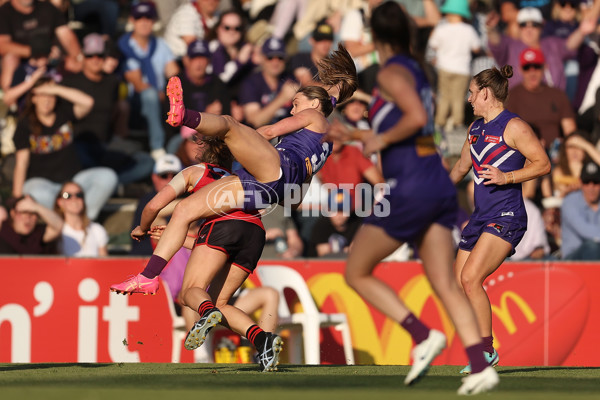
(453, 41)
(231, 55)
(202, 91)
(510, 8)
(552, 115)
(184, 27)
(21, 21)
(22, 234)
(165, 168)
(94, 132)
(266, 95)
(507, 50)
(148, 63)
(580, 212)
(303, 66)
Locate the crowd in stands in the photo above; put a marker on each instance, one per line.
(83, 105)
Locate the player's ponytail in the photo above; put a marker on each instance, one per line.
(336, 71)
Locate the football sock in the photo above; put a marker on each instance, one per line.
(476, 358)
(154, 267)
(205, 306)
(416, 328)
(256, 336)
(488, 344)
(191, 118)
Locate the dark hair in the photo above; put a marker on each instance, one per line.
(496, 80)
(335, 70)
(11, 202)
(212, 34)
(391, 24)
(29, 109)
(215, 151)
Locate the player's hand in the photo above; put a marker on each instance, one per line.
(156, 232)
(492, 175)
(137, 233)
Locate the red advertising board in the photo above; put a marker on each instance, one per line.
(60, 310)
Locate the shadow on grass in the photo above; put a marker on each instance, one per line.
(25, 367)
(538, 369)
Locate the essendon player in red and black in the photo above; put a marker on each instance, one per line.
(224, 253)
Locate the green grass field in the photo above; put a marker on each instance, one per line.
(244, 382)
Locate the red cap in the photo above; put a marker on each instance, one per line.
(531, 56)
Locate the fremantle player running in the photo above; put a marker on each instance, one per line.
(225, 252)
(503, 151)
(422, 200)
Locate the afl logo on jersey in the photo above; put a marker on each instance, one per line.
(473, 139)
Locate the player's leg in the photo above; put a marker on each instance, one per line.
(487, 255)
(213, 199)
(249, 148)
(436, 250)
(204, 264)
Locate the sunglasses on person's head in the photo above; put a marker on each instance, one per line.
(232, 28)
(530, 24)
(67, 195)
(527, 67)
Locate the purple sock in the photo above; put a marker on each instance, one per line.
(191, 118)
(488, 344)
(476, 358)
(154, 267)
(416, 328)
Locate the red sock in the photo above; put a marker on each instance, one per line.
(256, 336)
(205, 306)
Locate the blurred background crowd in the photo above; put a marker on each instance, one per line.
(84, 145)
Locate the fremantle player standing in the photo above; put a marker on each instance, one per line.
(503, 152)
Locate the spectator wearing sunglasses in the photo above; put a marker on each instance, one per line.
(95, 132)
(507, 50)
(266, 95)
(231, 56)
(165, 169)
(552, 115)
(80, 237)
(22, 232)
(581, 217)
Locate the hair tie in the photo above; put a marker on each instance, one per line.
(333, 101)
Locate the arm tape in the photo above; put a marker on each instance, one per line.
(178, 183)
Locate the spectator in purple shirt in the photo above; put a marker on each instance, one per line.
(266, 95)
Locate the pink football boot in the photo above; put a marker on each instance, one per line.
(176, 108)
(136, 284)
